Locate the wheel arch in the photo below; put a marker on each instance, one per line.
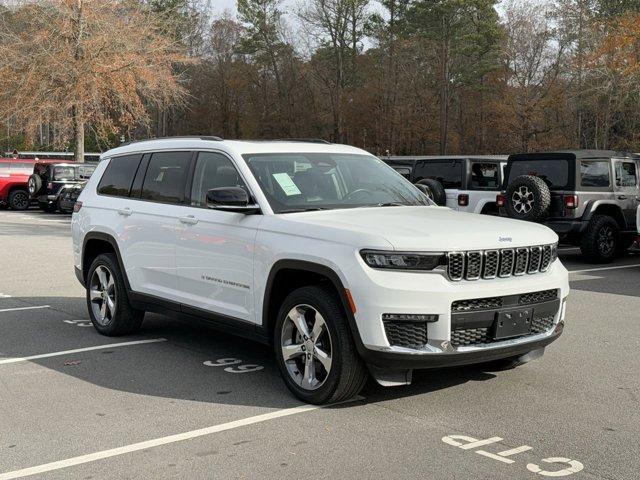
(96, 243)
(283, 278)
(611, 209)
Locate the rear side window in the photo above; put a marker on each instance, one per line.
(626, 174)
(213, 170)
(594, 174)
(555, 173)
(21, 168)
(118, 177)
(449, 174)
(166, 177)
(485, 176)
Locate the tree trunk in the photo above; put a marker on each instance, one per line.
(78, 132)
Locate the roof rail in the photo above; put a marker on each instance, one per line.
(303, 140)
(211, 138)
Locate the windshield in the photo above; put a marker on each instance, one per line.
(318, 181)
(555, 173)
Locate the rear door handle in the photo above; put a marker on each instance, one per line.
(622, 197)
(125, 212)
(189, 220)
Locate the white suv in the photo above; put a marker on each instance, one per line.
(321, 250)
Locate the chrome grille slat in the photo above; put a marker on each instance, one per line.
(474, 266)
(489, 264)
(506, 262)
(535, 256)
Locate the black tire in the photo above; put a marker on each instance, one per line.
(18, 200)
(601, 239)
(48, 207)
(34, 184)
(125, 319)
(435, 190)
(528, 198)
(348, 373)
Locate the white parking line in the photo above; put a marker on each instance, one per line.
(23, 308)
(135, 447)
(604, 268)
(4, 361)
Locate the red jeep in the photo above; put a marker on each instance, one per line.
(14, 175)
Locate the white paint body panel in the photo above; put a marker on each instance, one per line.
(222, 263)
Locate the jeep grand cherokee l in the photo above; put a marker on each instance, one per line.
(320, 250)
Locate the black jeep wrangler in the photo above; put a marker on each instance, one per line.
(588, 197)
(49, 180)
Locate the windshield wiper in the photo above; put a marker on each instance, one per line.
(308, 209)
(383, 204)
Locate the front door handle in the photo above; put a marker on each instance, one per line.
(125, 212)
(622, 197)
(189, 220)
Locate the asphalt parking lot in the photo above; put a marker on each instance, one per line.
(180, 400)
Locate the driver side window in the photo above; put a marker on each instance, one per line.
(213, 170)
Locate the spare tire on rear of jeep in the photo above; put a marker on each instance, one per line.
(435, 190)
(528, 198)
(34, 184)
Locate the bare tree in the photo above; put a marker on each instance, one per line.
(80, 62)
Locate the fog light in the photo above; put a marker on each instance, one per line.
(409, 317)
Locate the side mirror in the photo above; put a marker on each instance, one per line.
(231, 199)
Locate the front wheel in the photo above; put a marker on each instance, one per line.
(107, 299)
(314, 347)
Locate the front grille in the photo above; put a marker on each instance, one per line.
(538, 297)
(490, 264)
(406, 334)
(476, 304)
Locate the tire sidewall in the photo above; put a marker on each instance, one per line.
(437, 190)
(324, 392)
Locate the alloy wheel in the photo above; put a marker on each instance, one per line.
(20, 201)
(606, 240)
(102, 294)
(522, 200)
(306, 347)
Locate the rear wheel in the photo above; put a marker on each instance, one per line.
(601, 239)
(107, 299)
(314, 347)
(18, 200)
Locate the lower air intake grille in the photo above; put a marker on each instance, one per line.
(476, 304)
(406, 334)
(470, 336)
(541, 325)
(538, 297)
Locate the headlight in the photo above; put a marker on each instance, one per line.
(403, 260)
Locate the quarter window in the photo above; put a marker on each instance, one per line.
(24, 168)
(213, 170)
(626, 174)
(119, 175)
(594, 174)
(166, 176)
(484, 176)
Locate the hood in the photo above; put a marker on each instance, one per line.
(431, 228)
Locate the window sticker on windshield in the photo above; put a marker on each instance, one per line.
(287, 185)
